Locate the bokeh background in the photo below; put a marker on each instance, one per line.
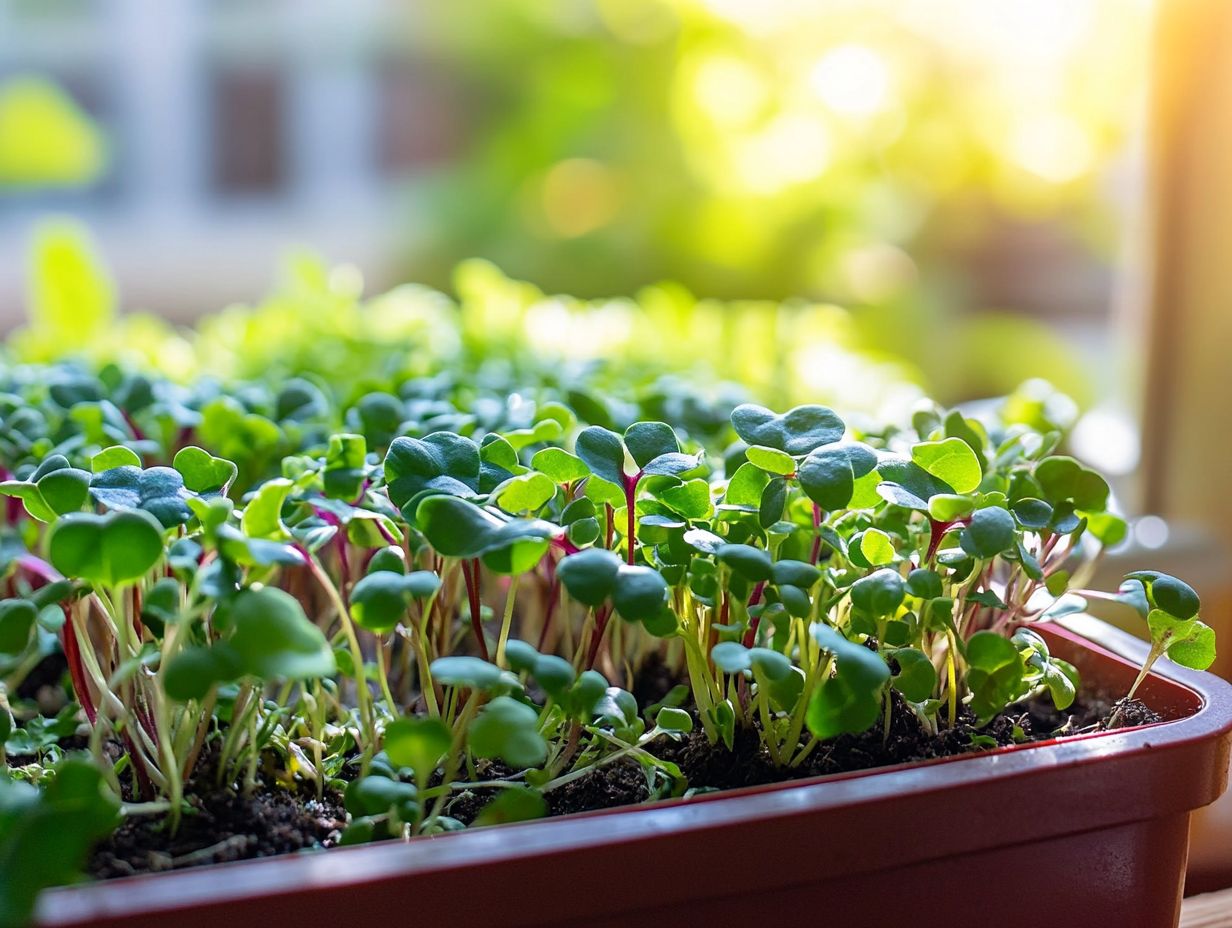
(959, 175)
(853, 201)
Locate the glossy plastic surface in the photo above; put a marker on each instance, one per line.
(1090, 831)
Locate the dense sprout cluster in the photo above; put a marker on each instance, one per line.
(448, 586)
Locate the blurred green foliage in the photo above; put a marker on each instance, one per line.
(850, 152)
(45, 138)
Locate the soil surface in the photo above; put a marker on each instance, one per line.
(908, 740)
(222, 826)
(226, 826)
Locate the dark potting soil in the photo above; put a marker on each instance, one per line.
(908, 740)
(48, 672)
(653, 680)
(222, 826)
(226, 826)
(620, 783)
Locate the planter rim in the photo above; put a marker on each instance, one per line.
(1200, 703)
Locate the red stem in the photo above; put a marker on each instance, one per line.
(76, 672)
(553, 599)
(750, 634)
(43, 572)
(939, 531)
(631, 509)
(470, 570)
(601, 620)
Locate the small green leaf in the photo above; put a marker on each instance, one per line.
(691, 499)
(995, 672)
(745, 489)
(262, 516)
(905, 483)
(1034, 514)
(1065, 480)
(879, 594)
(463, 670)
(916, 677)
(990, 533)
(524, 492)
(796, 573)
(115, 456)
(457, 528)
(508, 730)
(649, 440)
(603, 452)
(924, 584)
(65, 490)
(951, 461)
(157, 490)
(1196, 650)
(344, 473)
(771, 460)
(947, 507)
(512, 804)
(273, 639)
(877, 547)
(558, 464)
(1168, 593)
(438, 463)
(202, 472)
(848, 702)
(672, 719)
(731, 657)
(380, 600)
(418, 743)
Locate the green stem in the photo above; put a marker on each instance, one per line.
(507, 619)
(363, 697)
(383, 679)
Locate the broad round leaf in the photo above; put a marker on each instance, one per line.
(273, 639)
(640, 593)
(878, 594)
(749, 562)
(590, 575)
(16, 620)
(603, 452)
(1196, 650)
(731, 657)
(796, 432)
(463, 670)
(105, 549)
(991, 532)
(648, 440)
(380, 600)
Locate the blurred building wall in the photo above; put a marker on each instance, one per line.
(236, 130)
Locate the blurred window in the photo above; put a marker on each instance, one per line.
(418, 116)
(248, 114)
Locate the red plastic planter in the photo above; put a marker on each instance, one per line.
(1091, 831)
